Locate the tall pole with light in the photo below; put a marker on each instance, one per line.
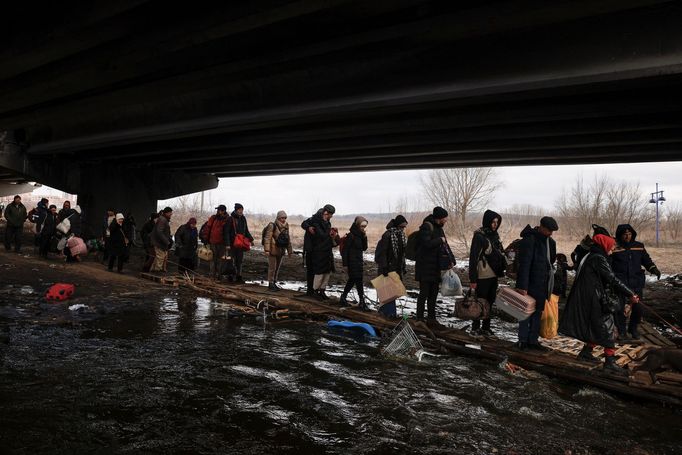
(658, 199)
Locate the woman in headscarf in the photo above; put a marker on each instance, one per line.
(589, 312)
(486, 264)
(118, 243)
(186, 243)
(352, 255)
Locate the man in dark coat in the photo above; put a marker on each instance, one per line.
(162, 240)
(354, 248)
(15, 214)
(146, 234)
(390, 256)
(588, 315)
(48, 230)
(431, 241)
(627, 261)
(237, 224)
(486, 263)
(40, 213)
(535, 277)
(307, 226)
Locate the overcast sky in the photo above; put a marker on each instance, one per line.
(369, 192)
(372, 192)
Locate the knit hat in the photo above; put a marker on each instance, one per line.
(604, 241)
(281, 214)
(119, 216)
(399, 220)
(439, 213)
(222, 208)
(329, 209)
(238, 206)
(167, 210)
(549, 223)
(192, 221)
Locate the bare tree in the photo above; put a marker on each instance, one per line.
(603, 202)
(460, 191)
(673, 221)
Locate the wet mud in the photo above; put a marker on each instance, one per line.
(129, 366)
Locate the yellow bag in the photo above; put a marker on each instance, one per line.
(388, 288)
(549, 321)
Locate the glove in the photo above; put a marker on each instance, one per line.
(384, 272)
(654, 271)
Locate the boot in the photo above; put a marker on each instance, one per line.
(239, 279)
(586, 355)
(611, 365)
(634, 333)
(362, 306)
(272, 286)
(343, 300)
(319, 295)
(486, 330)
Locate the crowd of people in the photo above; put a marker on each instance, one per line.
(608, 285)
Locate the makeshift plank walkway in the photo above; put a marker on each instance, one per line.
(561, 362)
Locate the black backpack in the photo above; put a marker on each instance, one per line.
(411, 247)
(512, 253)
(496, 260)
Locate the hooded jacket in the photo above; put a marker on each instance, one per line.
(322, 245)
(484, 244)
(186, 241)
(354, 248)
(588, 313)
(215, 226)
(628, 258)
(272, 232)
(427, 264)
(308, 237)
(535, 271)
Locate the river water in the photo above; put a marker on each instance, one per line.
(176, 376)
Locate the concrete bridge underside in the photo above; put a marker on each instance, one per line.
(113, 100)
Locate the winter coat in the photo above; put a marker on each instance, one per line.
(186, 242)
(49, 226)
(272, 232)
(146, 233)
(588, 315)
(322, 245)
(484, 244)
(234, 225)
(117, 240)
(390, 257)
(216, 227)
(76, 223)
(15, 215)
(63, 213)
(41, 213)
(427, 264)
(628, 258)
(308, 237)
(353, 251)
(561, 279)
(535, 271)
(161, 236)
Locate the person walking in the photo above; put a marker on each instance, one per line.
(486, 264)
(354, 248)
(186, 244)
(430, 244)
(324, 239)
(162, 241)
(629, 260)
(146, 234)
(118, 244)
(237, 224)
(212, 234)
(276, 242)
(307, 226)
(16, 215)
(389, 256)
(48, 230)
(535, 277)
(589, 312)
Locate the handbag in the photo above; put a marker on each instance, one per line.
(241, 242)
(65, 226)
(472, 307)
(205, 253)
(388, 287)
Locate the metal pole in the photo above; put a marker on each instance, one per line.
(656, 199)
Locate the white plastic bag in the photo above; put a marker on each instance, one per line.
(450, 286)
(64, 227)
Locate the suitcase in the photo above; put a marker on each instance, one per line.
(77, 246)
(514, 304)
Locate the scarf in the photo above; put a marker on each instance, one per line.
(398, 237)
(493, 237)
